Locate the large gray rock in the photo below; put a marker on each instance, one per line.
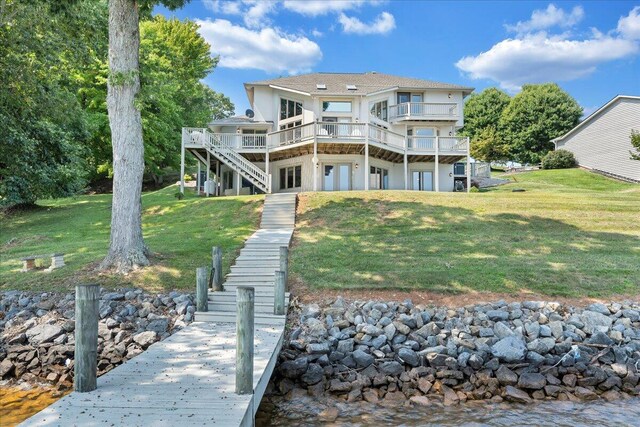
(498, 315)
(516, 395)
(145, 339)
(159, 325)
(409, 356)
(502, 331)
(510, 349)
(43, 333)
(293, 369)
(391, 368)
(599, 307)
(313, 375)
(506, 376)
(594, 322)
(362, 358)
(542, 345)
(532, 381)
(345, 346)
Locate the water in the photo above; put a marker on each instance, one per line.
(305, 411)
(17, 404)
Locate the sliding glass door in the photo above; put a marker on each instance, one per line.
(337, 177)
(422, 180)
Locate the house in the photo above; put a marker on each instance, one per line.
(601, 142)
(337, 132)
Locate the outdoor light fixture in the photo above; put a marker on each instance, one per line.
(450, 173)
(449, 133)
(357, 166)
(449, 95)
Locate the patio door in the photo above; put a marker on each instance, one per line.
(337, 177)
(422, 180)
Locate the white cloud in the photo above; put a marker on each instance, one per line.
(316, 33)
(323, 7)
(383, 24)
(268, 49)
(256, 14)
(629, 26)
(552, 16)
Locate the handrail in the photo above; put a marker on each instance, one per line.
(452, 143)
(291, 135)
(424, 109)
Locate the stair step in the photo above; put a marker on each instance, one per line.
(263, 319)
(231, 307)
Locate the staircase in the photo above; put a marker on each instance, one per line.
(227, 154)
(257, 263)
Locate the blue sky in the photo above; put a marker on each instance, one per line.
(590, 48)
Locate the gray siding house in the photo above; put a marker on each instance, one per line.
(601, 141)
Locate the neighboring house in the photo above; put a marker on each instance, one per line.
(336, 132)
(601, 142)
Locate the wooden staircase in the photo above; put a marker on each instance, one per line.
(256, 265)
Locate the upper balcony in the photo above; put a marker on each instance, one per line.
(424, 111)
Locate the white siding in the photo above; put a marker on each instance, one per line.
(603, 143)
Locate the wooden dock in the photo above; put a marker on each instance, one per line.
(189, 378)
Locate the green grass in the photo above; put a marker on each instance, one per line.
(180, 233)
(571, 233)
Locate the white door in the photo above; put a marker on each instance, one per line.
(422, 180)
(328, 177)
(337, 177)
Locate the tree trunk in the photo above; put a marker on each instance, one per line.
(127, 250)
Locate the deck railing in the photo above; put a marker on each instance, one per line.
(452, 143)
(291, 136)
(424, 110)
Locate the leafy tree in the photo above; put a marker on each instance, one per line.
(43, 47)
(635, 141)
(482, 110)
(535, 116)
(488, 146)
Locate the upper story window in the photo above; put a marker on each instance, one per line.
(336, 106)
(379, 110)
(409, 97)
(289, 108)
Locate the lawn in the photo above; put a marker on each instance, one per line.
(180, 233)
(571, 233)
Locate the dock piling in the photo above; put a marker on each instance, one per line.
(216, 268)
(245, 299)
(202, 289)
(86, 335)
(284, 264)
(278, 293)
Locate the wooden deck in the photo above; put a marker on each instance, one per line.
(189, 378)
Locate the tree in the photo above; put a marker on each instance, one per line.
(482, 110)
(635, 141)
(488, 146)
(127, 249)
(534, 117)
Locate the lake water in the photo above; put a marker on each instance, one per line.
(314, 412)
(18, 404)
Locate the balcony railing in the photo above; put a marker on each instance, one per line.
(424, 111)
(444, 143)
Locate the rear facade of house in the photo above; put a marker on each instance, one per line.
(602, 142)
(337, 132)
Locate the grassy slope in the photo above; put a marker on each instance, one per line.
(572, 233)
(179, 232)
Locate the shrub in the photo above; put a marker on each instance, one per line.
(559, 159)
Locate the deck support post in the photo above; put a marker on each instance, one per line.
(468, 168)
(437, 168)
(266, 167)
(86, 335)
(278, 293)
(184, 136)
(216, 268)
(207, 190)
(314, 159)
(245, 299)
(284, 264)
(218, 179)
(202, 289)
(198, 183)
(238, 183)
(366, 157)
(406, 170)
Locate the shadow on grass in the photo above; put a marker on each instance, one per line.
(382, 244)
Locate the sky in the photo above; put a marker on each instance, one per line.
(590, 48)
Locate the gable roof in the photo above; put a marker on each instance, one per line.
(366, 83)
(595, 114)
(237, 120)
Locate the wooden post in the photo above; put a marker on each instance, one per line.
(284, 264)
(468, 169)
(245, 297)
(266, 167)
(201, 289)
(207, 190)
(86, 333)
(198, 180)
(218, 179)
(184, 136)
(238, 183)
(315, 156)
(437, 168)
(366, 157)
(216, 268)
(278, 302)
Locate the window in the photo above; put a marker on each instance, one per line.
(379, 110)
(422, 180)
(227, 180)
(291, 177)
(321, 86)
(292, 135)
(403, 97)
(458, 169)
(337, 177)
(289, 108)
(378, 178)
(336, 106)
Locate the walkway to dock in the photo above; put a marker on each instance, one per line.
(189, 378)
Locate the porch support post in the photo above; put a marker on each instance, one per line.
(218, 179)
(207, 190)
(198, 183)
(314, 162)
(468, 168)
(184, 135)
(266, 168)
(406, 170)
(238, 183)
(437, 168)
(366, 157)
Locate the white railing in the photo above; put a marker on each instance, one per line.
(481, 169)
(452, 143)
(421, 143)
(341, 130)
(238, 140)
(385, 136)
(291, 136)
(422, 110)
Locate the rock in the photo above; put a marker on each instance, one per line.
(532, 380)
(370, 396)
(318, 348)
(533, 329)
(372, 330)
(510, 349)
(556, 329)
(311, 310)
(420, 400)
(315, 328)
(339, 386)
(598, 307)
(450, 396)
(584, 393)
(328, 415)
(475, 362)
(594, 322)
(409, 357)
(541, 345)
(43, 333)
(145, 339)
(293, 369)
(389, 331)
(569, 380)
(362, 359)
(6, 366)
(501, 330)
(113, 296)
(633, 315)
(345, 346)
(424, 385)
(516, 395)
(506, 376)
(391, 368)
(313, 375)
(393, 399)
(498, 315)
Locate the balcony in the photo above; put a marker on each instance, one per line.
(424, 111)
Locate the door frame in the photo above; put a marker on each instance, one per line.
(412, 171)
(336, 176)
